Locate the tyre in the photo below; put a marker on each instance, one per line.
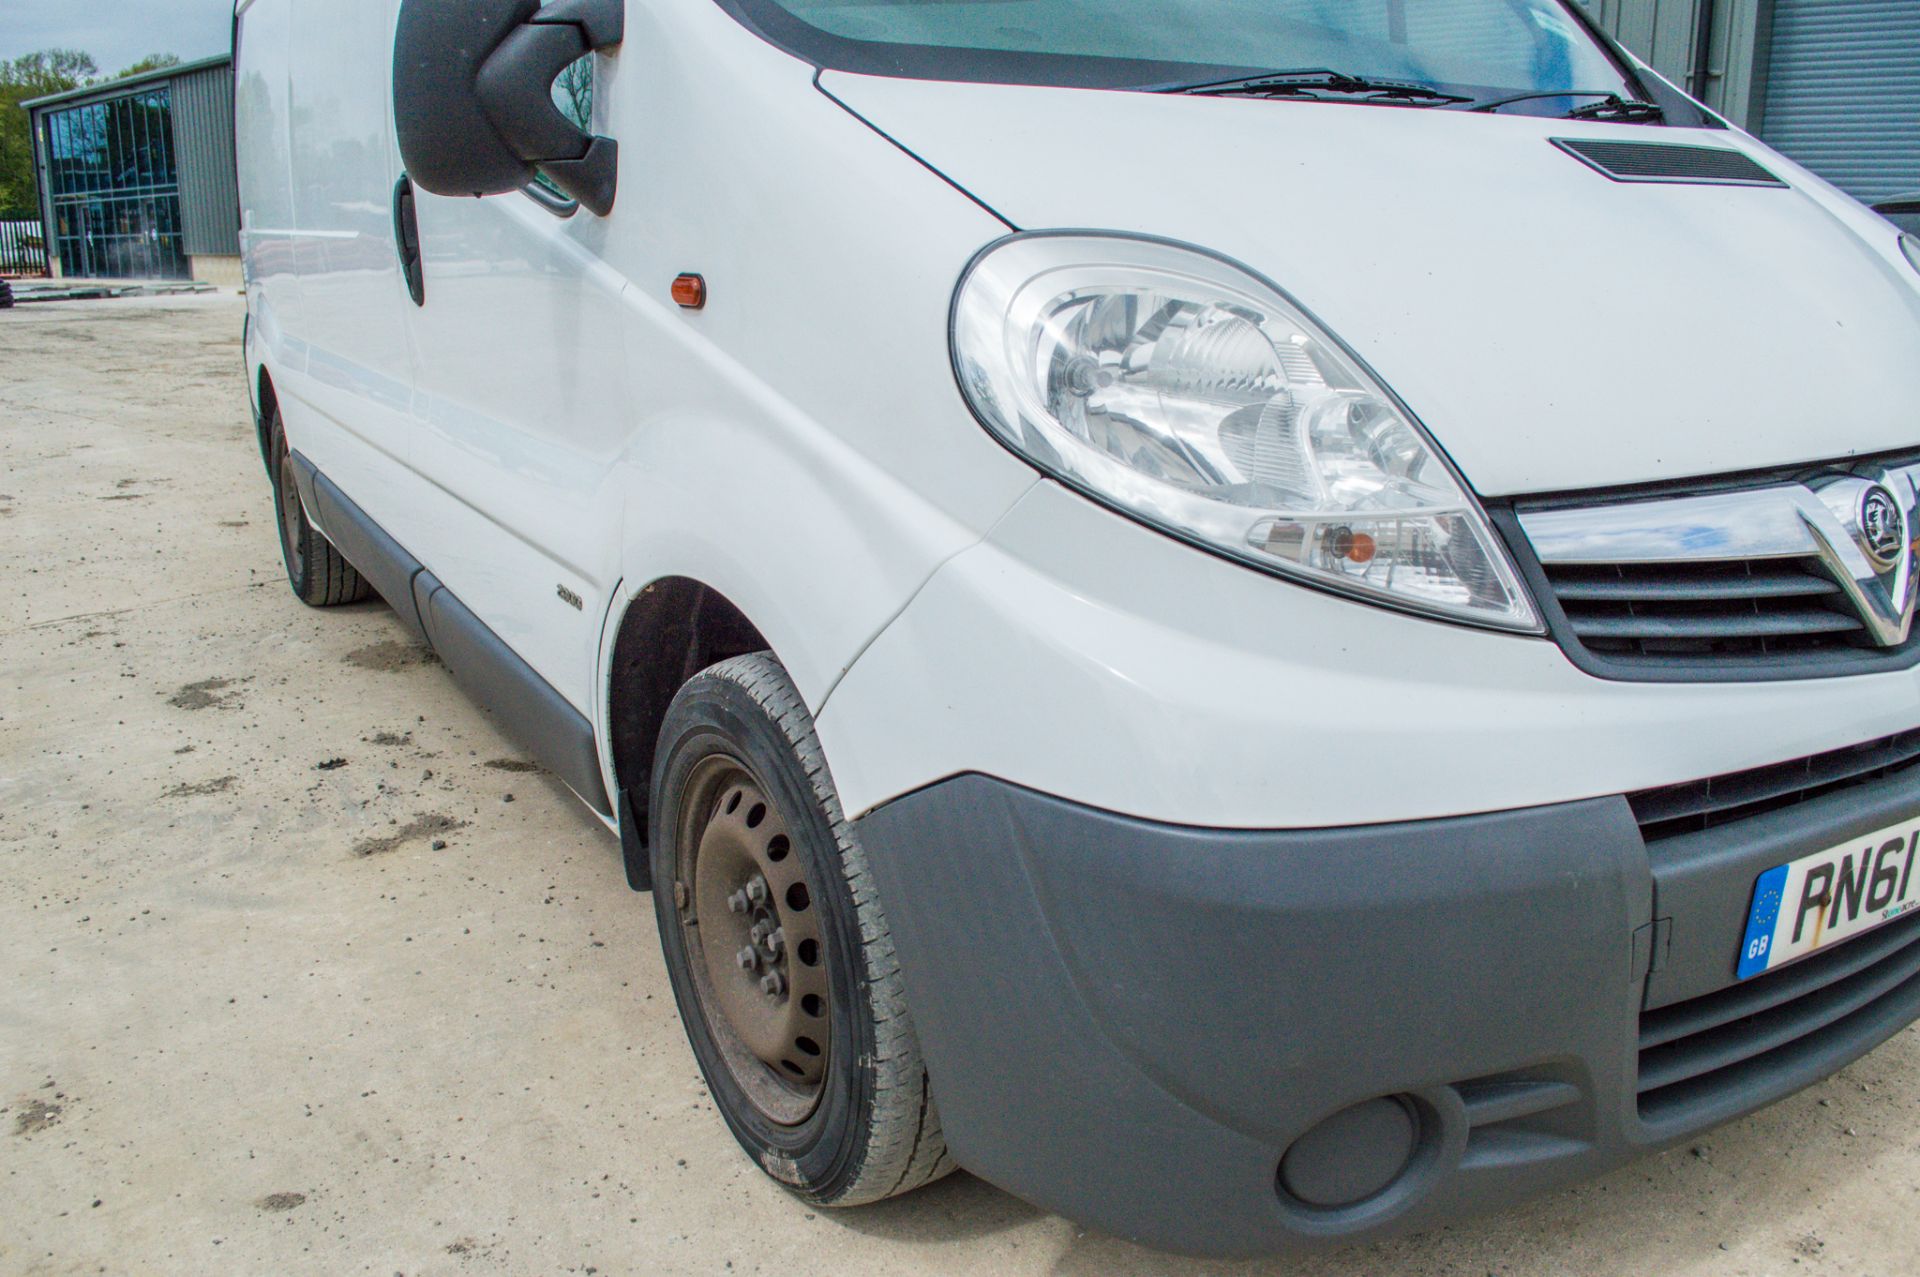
(319, 574)
(778, 949)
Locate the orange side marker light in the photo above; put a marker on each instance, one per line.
(690, 291)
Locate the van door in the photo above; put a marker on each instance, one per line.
(355, 398)
(522, 413)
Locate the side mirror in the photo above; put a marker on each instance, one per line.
(473, 96)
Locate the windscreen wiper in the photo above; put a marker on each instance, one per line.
(1619, 110)
(1612, 107)
(1319, 83)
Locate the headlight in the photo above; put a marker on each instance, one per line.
(1188, 394)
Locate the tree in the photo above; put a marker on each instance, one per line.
(152, 62)
(573, 93)
(49, 71)
(31, 76)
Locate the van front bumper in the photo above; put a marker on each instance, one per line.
(1133, 1024)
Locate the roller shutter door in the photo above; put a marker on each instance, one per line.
(1843, 92)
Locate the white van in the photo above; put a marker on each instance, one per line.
(1262, 621)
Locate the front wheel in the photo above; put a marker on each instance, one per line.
(778, 949)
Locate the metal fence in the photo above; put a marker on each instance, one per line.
(23, 249)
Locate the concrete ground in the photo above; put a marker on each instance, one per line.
(304, 970)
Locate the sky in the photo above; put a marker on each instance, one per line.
(117, 33)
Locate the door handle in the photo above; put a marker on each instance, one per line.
(473, 96)
(406, 237)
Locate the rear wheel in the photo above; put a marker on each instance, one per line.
(319, 574)
(778, 949)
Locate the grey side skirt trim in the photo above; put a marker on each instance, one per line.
(491, 672)
(374, 554)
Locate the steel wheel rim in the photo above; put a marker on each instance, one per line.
(753, 940)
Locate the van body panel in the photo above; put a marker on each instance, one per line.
(798, 445)
(525, 403)
(736, 168)
(563, 430)
(1543, 322)
(1167, 685)
(265, 172)
(357, 377)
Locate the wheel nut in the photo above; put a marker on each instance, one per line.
(776, 941)
(737, 902)
(748, 958)
(757, 891)
(773, 984)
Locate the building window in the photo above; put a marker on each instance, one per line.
(114, 188)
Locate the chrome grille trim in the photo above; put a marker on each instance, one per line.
(1759, 523)
(1775, 570)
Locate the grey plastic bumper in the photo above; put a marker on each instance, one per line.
(1131, 1023)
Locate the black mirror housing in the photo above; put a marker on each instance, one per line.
(472, 96)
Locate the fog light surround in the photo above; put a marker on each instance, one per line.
(1353, 1156)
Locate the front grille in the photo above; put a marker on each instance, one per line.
(1744, 1038)
(1655, 612)
(1703, 804)
(1752, 578)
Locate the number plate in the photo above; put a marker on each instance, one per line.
(1830, 896)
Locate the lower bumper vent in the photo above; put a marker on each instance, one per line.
(1702, 804)
(1752, 1037)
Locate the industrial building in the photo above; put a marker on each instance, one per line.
(137, 177)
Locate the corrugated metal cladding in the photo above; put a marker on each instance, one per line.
(203, 139)
(1843, 92)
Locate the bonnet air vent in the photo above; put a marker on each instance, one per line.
(1664, 162)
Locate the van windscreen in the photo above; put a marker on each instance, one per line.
(1481, 50)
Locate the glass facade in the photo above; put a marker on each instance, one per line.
(114, 186)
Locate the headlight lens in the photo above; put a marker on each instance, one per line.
(1190, 395)
(1911, 247)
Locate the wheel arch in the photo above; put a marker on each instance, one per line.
(266, 402)
(670, 630)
